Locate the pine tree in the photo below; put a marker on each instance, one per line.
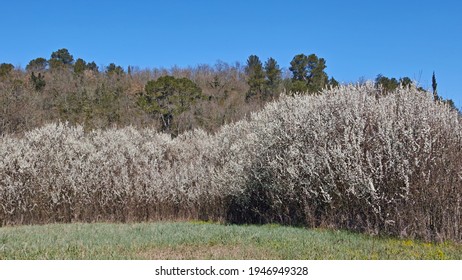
(79, 66)
(308, 73)
(168, 97)
(273, 77)
(61, 59)
(255, 76)
(298, 66)
(5, 69)
(317, 79)
(38, 64)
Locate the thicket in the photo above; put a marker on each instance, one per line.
(351, 157)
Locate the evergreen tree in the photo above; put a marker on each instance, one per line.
(114, 69)
(255, 76)
(80, 66)
(38, 81)
(308, 73)
(434, 87)
(298, 66)
(61, 59)
(317, 78)
(273, 77)
(386, 84)
(168, 97)
(39, 64)
(5, 69)
(92, 66)
(405, 81)
(333, 82)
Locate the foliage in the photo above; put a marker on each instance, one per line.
(5, 69)
(434, 87)
(405, 81)
(60, 59)
(38, 81)
(317, 79)
(333, 82)
(74, 98)
(273, 78)
(79, 66)
(114, 69)
(91, 66)
(299, 69)
(349, 158)
(264, 81)
(168, 97)
(255, 77)
(308, 73)
(37, 65)
(386, 84)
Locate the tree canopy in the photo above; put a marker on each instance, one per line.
(6, 68)
(273, 77)
(168, 97)
(62, 88)
(308, 73)
(60, 58)
(255, 76)
(114, 69)
(38, 64)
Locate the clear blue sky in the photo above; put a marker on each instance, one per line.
(357, 38)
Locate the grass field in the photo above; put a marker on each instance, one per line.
(197, 240)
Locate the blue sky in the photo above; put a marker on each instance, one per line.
(357, 38)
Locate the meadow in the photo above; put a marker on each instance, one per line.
(350, 158)
(199, 240)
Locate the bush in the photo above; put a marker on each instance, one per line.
(349, 158)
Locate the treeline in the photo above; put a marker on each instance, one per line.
(174, 100)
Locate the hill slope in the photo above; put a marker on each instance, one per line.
(350, 158)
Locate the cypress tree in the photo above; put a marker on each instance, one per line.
(434, 86)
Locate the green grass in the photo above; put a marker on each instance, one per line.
(196, 240)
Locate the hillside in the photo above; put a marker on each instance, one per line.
(350, 158)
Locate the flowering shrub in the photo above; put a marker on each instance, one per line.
(348, 158)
